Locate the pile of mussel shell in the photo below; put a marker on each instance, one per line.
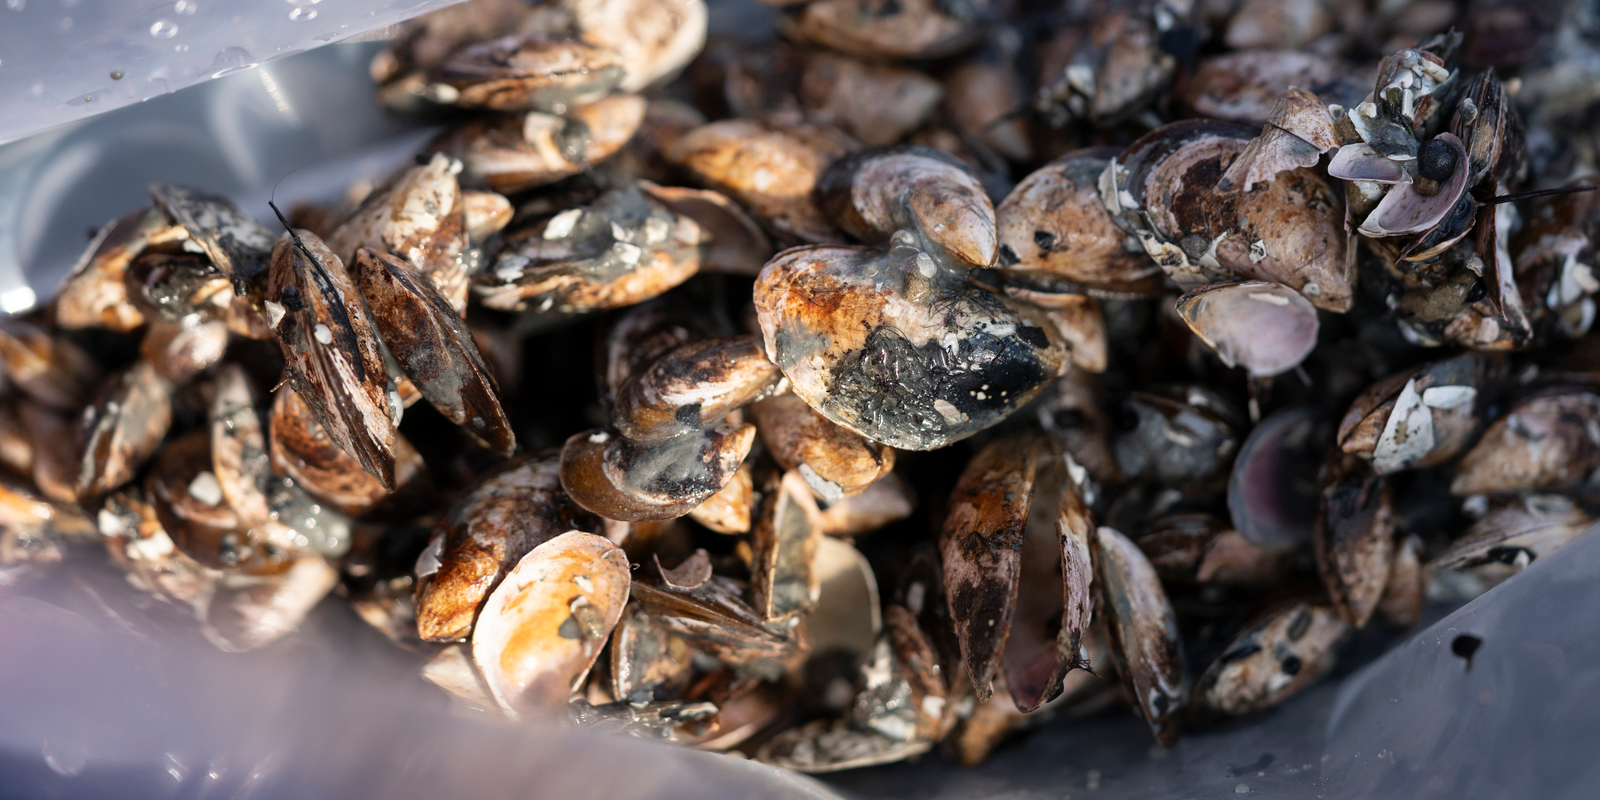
(877, 383)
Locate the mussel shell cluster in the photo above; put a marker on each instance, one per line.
(917, 373)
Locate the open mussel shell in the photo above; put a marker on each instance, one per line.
(118, 432)
(925, 359)
(1406, 211)
(1419, 418)
(1274, 658)
(433, 347)
(622, 249)
(546, 623)
(783, 543)
(538, 72)
(420, 218)
(834, 461)
(631, 481)
(1183, 438)
(691, 385)
(1053, 222)
(716, 619)
(189, 503)
(1266, 328)
(1359, 162)
(484, 535)
(1273, 491)
(1144, 633)
(1017, 569)
(1545, 441)
(874, 193)
(332, 355)
(1289, 232)
(1354, 542)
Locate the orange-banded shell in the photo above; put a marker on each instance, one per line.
(874, 193)
(546, 623)
(630, 481)
(487, 531)
(898, 349)
(691, 385)
(302, 450)
(834, 461)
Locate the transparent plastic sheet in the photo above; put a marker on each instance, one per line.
(66, 60)
(99, 698)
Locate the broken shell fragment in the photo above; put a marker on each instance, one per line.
(1144, 633)
(925, 358)
(1296, 135)
(834, 461)
(1354, 542)
(630, 481)
(1420, 418)
(783, 544)
(120, 430)
(483, 537)
(622, 249)
(1266, 328)
(545, 624)
(1547, 441)
(875, 193)
(691, 385)
(1273, 659)
(331, 351)
(433, 347)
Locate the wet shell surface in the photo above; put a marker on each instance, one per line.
(1273, 659)
(928, 359)
(544, 626)
(1144, 632)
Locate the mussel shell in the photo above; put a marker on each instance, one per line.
(118, 432)
(302, 451)
(1272, 492)
(238, 246)
(872, 194)
(656, 38)
(1419, 418)
(783, 542)
(1273, 659)
(662, 479)
(546, 623)
(881, 29)
(834, 461)
(1354, 540)
(539, 72)
(925, 359)
(1144, 633)
(420, 218)
(1054, 222)
(875, 102)
(1264, 327)
(1546, 441)
(94, 295)
(693, 384)
(486, 532)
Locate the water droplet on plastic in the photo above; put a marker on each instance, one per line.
(182, 48)
(302, 13)
(231, 60)
(64, 758)
(16, 5)
(164, 29)
(185, 7)
(303, 2)
(117, 74)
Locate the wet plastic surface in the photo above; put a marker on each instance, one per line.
(66, 60)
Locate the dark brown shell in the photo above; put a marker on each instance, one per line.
(419, 217)
(1354, 541)
(118, 432)
(1273, 659)
(239, 247)
(302, 450)
(433, 347)
(331, 352)
(1144, 633)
